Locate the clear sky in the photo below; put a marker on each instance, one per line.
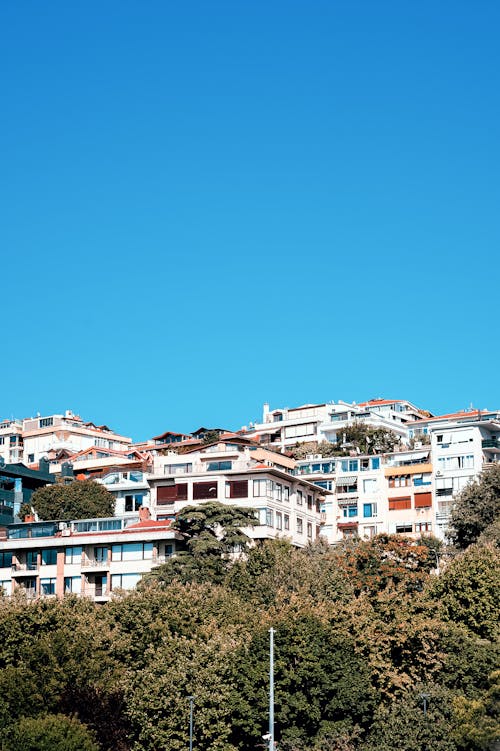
(209, 205)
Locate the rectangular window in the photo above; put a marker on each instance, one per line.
(237, 489)
(397, 504)
(309, 502)
(287, 521)
(46, 422)
(300, 526)
(48, 586)
(423, 500)
(133, 551)
(402, 528)
(259, 488)
(376, 462)
(278, 491)
(369, 486)
(125, 581)
(72, 585)
(279, 520)
(300, 497)
(73, 555)
(49, 557)
(169, 493)
(133, 502)
(369, 510)
(100, 554)
(269, 517)
(204, 491)
(423, 527)
(219, 466)
(286, 494)
(349, 511)
(309, 530)
(177, 469)
(5, 560)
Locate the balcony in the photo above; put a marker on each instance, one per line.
(491, 443)
(89, 564)
(24, 569)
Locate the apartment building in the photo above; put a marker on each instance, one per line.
(56, 437)
(11, 441)
(282, 429)
(17, 485)
(234, 470)
(372, 494)
(89, 558)
(463, 445)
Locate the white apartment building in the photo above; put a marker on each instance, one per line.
(11, 441)
(89, 558)
(281, 429)
(68, 434)
(235, 472)
(389, 493)
(463, 445)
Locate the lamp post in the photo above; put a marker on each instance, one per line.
(191, 704)
(271, 689)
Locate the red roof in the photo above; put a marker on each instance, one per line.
(456, 415)
(380, 401)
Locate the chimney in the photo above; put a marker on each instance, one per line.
(265, 412)
(144, 514)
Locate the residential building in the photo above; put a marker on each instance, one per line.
(11, 441)
(233, 470)
(89, 558)
(17, 485)
(56, 437)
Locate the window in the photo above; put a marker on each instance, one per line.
(6, 585)
(48, 586)
(369, 510)
(100, 554)
(5, 560)
(169, 493)
(309, 530)
(73, 555)
(259, 488)
(219, 466)
(286, 494)
(204, 490)
(456, 462)
(49, 557)
(269, 517)
(376, 462)
(287, 521)
(309, 502)
(31, 458)
(423, 527)
(124, 581)
(349, 511)
(300, 497)
(278, 491)
(326, 484)
(402, 528)
(72, 584)
(400, 481)
(369, 486)
(300, 526)
(133, 551)
(177, 469)
(423, 500)
(294, 431)
(2, 440)
(133, 502)
(46, 422)
(279, 520)
(237, 489)
(397, 504)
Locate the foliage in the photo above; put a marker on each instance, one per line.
(212, 534)
(83, 499)
(357, 437)
(49, 733)
(468, 590)
(476, 508)
(211, 436)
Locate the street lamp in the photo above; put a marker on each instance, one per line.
(425, 698)
(271, 689)
(191, 705)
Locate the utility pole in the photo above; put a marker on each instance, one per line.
(271, 689)
(191, 703)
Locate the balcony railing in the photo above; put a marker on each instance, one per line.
(490, 443)
(89, 563)
(20, 567)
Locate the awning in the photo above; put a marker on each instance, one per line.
(347, 480)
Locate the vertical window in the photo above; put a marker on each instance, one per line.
(286, 494)
(309, 530)
(49, 557)
(73, 555)
(279, 520)
(259, 488)
(300, 497)
(278, 491)
(287, 521)
(48, 586)
(300, 526)
(269, 517)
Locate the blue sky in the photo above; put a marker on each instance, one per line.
(210, 205)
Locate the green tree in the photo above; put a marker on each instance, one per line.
(212, 534)
(49, 733)
(83, 499)
(467, 590)
(476, 508)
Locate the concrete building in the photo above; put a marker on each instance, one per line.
(17, 485)
(56, 437)
(11, 441)
(234, 470)
(89, 558)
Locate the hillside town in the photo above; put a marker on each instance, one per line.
(334, 471)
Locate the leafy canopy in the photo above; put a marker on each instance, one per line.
(476, 509)
(84, 499)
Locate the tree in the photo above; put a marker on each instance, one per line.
(84, 499)
(49, 733)
(212, 535)
(476, 508)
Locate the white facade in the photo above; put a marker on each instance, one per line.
(44, 436)
(11, 441)
(235, 473)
